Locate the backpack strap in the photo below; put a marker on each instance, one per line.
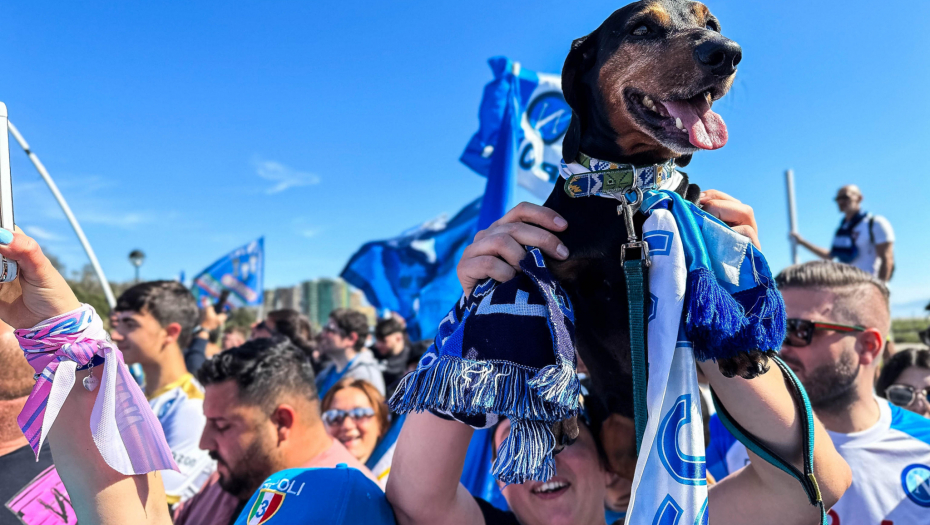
(806, 478)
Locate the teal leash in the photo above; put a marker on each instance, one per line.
(635, 258)
(806, 478)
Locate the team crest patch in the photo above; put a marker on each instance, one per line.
(266, 505)
(916, 482)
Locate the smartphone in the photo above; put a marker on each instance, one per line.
(7, 268)
(221, 302)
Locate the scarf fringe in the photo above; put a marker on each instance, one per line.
(720, 328)
(458, 385)
(526, 454)
(557, 385)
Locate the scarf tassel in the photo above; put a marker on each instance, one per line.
(526, 454)
(558, 384)
(720, 327)
(469, 387)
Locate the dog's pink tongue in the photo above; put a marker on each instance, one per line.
(706, 129)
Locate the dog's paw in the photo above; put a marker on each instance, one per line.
(566, 432)
(746, 365)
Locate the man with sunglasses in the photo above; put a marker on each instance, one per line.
(263, 416)
(863, 240)
(343, 342)
(838, 323)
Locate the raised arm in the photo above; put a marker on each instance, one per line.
(424, 486)
(98, 494)
(761, 493)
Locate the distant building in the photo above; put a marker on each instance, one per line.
(318, 298)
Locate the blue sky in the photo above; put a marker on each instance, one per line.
(188, 129)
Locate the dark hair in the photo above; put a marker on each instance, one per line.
(167, 301)
(264, 370)
(417, 350)
(374, 397)
(294, 326)
(898, 363)
(351, 322)
(386, 327)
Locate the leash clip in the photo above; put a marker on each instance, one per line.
(627, 209)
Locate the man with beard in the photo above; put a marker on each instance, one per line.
(263, 416)
(838, 322)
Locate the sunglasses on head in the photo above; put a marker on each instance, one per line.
(842, 198)
(336, 417)
(904, 395)
(801, 331)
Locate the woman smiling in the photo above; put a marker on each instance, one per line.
(355, 413)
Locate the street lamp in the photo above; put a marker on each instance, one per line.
(137, 257)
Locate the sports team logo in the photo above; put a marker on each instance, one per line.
(266, 505)
(916, 482)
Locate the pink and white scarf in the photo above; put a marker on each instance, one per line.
(125, 430)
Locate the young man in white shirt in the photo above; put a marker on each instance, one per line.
(837, 327)
(155, 320)
(863, 240)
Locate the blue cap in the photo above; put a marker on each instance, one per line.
(298, 496)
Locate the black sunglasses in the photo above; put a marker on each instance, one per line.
(904, 395)
(336, 416)
(801, 331)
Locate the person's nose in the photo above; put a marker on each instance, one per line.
(206, 439)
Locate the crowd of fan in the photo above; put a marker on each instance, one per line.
(279, 396)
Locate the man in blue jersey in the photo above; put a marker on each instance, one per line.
(838, 323)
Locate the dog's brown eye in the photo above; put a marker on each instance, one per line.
(712, 25)
(640, 31)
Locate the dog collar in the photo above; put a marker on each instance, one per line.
(588, 176)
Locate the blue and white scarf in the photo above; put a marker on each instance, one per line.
(505, 350)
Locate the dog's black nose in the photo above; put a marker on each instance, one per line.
(719, 56)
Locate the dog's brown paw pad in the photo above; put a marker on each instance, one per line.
(746, 365)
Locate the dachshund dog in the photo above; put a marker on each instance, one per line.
(640, 87)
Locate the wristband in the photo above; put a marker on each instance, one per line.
(126, 432)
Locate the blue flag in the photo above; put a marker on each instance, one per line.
(525, 114)
(241, 271)
(413, 274)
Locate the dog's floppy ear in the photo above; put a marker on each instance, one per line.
(577, 62)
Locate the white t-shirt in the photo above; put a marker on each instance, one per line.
(890, 465)
(867, 259)
(179, 408)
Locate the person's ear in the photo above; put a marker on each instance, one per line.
(284, 418)
(172, 332)
(871, 343)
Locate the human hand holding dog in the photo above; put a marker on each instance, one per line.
(732, 212)
(497, 251)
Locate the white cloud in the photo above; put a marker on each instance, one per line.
(120, 220)
(41, 233)
(283, 176)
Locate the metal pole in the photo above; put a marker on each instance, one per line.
(111, 299)
(792, 214)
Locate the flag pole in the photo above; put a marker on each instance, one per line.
(792, 214)
(111, 299)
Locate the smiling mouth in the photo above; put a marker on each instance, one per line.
(551, 488)
(685, 123)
